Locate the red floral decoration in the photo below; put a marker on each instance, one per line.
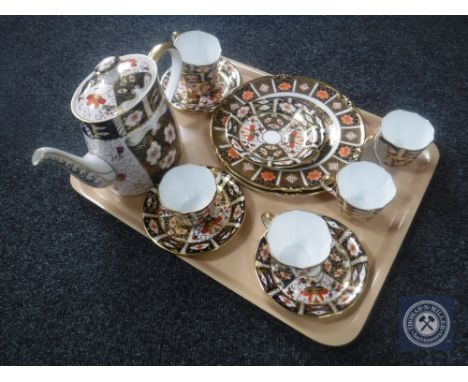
(95, 100)
(315, 293)
(344, 151)
(292, 139)
(233, 154)
(284, 86)
(251, 133)
(314, 175)
(347, 119)
(248, 95)
(322, 94)
(268, 176)
(212, 225)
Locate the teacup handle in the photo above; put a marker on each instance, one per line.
(176, 67)
(267, 217)
(328, 183)
(376, 140)
(174, 36)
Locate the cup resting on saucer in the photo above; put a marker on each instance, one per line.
(299, 240)
(188, 191)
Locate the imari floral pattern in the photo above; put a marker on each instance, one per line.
(200, 80)
(104, 93)
(127, 122)
(304, 178)
(156, 145)
(204, 96)
(280, 133)
(177, 235)
(131, 177)
(336, 285)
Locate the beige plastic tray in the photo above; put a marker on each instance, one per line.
(233, 265)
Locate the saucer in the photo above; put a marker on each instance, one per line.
(176, 235)
(281, 133)
(328, 289)
(335, 109)
(228, 79)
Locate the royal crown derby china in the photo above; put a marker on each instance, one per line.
(334, 109)
(231, 266)
(178, 234)
(362, 189)
(206, 77)
(227, 79)
(282, 132)
(281, 194)
(200, 53)
(403, 136)
(321, 291)
(130, 133)
(297, 239)
(188, 191)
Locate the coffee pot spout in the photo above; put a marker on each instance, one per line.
(89, 169)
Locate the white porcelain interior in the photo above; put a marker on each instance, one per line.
(407, 130)
(187, 188)
(299, 239)
(365, 185)
(198, 48)
(271, 137)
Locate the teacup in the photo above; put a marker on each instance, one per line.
(402, 137)
(298, 240)
(188, 191)
(200, 53)
(362, 188)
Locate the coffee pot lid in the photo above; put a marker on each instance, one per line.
(114, 87)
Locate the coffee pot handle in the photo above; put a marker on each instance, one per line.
(176, 68)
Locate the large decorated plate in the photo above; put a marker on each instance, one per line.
(344, 146)
(328, 290)
(176, 235)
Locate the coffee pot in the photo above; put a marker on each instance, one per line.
(130, 133)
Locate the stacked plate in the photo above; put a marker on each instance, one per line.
(281, 134)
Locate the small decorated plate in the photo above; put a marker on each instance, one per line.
(228, 79)
(332, 108)
(177, 236)
(282, 132)
(328, 290)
